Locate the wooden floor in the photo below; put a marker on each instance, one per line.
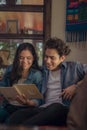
(2, 127)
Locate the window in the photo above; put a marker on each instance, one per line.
(32, 23)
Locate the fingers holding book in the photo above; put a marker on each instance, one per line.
(22, 99)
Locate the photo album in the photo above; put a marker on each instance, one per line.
(29, 90)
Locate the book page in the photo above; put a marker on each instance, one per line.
(30, 91)
(9, 93)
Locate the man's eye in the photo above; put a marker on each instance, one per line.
(52, 58)
(46, 56)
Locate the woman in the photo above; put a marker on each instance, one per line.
(24, 70)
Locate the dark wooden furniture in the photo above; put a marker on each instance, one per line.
(45, 9)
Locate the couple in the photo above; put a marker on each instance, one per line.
(58, 84)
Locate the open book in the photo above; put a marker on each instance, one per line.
(30, 91)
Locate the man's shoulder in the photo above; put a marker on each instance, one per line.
(44, 68)
(71, 63)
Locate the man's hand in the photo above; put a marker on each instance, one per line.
(69, 92)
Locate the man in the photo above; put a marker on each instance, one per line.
(60, 81)
(77, 117)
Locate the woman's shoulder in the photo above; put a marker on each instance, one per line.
(36, 71)
(35, 74)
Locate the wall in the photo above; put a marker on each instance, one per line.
(79, 52)
(58, 18)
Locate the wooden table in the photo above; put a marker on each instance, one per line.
(2, 127)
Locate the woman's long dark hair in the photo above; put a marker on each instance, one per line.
(16, 69)
(1, 62)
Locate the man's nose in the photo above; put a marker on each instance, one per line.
(48, 60)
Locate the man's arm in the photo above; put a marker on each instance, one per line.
(70, 91)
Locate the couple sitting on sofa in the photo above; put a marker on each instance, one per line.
(57, 81)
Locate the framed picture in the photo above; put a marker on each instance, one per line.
(12, 26)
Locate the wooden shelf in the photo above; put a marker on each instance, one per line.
(45, 9)
(22, 8)
(22, 36)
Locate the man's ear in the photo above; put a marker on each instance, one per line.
(63, 58)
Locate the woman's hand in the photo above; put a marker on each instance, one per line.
(69, 92)
(22, 99)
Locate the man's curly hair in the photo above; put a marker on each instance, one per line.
(59, 45)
